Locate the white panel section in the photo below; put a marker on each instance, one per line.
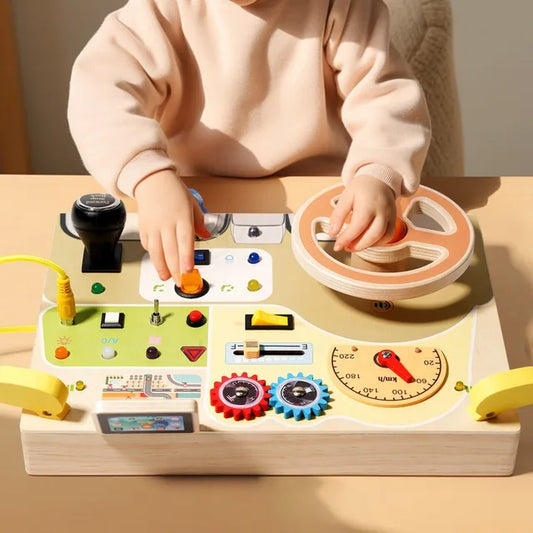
(228, 276)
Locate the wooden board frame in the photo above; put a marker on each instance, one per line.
(452, 444)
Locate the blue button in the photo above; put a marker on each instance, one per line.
(202, 257)
(254, 258)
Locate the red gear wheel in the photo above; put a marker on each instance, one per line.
(240, 396)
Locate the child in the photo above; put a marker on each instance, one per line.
(247, 88)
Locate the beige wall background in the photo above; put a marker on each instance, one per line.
(50, 34)
(494, 62)
(494, 65)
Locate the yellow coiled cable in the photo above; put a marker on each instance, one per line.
(66, 306)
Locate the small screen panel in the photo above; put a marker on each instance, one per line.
(121, 423)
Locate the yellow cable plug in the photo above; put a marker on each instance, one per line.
(66, 306)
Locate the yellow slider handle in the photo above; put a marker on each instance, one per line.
(39, 392)
(500, 392)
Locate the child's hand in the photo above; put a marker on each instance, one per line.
(373, 215)
(169, 217)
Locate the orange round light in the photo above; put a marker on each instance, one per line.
(61, 352)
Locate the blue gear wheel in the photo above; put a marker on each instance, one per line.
(299, 396)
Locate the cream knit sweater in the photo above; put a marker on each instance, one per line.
(247, 88)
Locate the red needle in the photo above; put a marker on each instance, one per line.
(390, 360)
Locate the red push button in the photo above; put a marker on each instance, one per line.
(195, 319)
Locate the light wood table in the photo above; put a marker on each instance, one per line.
(29, 207)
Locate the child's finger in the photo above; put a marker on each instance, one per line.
(373, 234)
(389, 233)
(185, 238)
(357, 225)
(157, 256)
(339, 214)
(171, 253)
(145, 241)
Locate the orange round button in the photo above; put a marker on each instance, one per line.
(61, 352)
(191, 282)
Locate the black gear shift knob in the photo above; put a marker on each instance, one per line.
(99, 220)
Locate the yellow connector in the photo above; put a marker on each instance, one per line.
(66, 306)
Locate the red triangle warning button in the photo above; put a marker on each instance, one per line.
(193, 353)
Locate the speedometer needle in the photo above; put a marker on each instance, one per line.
(389, 359)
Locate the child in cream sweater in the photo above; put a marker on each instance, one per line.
(247, 88)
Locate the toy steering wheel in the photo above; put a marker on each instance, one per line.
(445, 246)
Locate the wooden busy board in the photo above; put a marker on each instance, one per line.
(318, 396)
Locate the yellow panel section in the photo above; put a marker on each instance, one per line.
(228, 325)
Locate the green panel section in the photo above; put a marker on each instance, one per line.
(85, 340)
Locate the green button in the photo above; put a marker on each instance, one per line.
(97, 288)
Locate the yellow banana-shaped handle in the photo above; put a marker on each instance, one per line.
(36, 391)
(497, 393)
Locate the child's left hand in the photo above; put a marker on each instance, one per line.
(372, 206)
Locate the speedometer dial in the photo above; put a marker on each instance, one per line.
(393, 377)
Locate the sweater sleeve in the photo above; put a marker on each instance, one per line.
(383, 109)
(118, 88)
